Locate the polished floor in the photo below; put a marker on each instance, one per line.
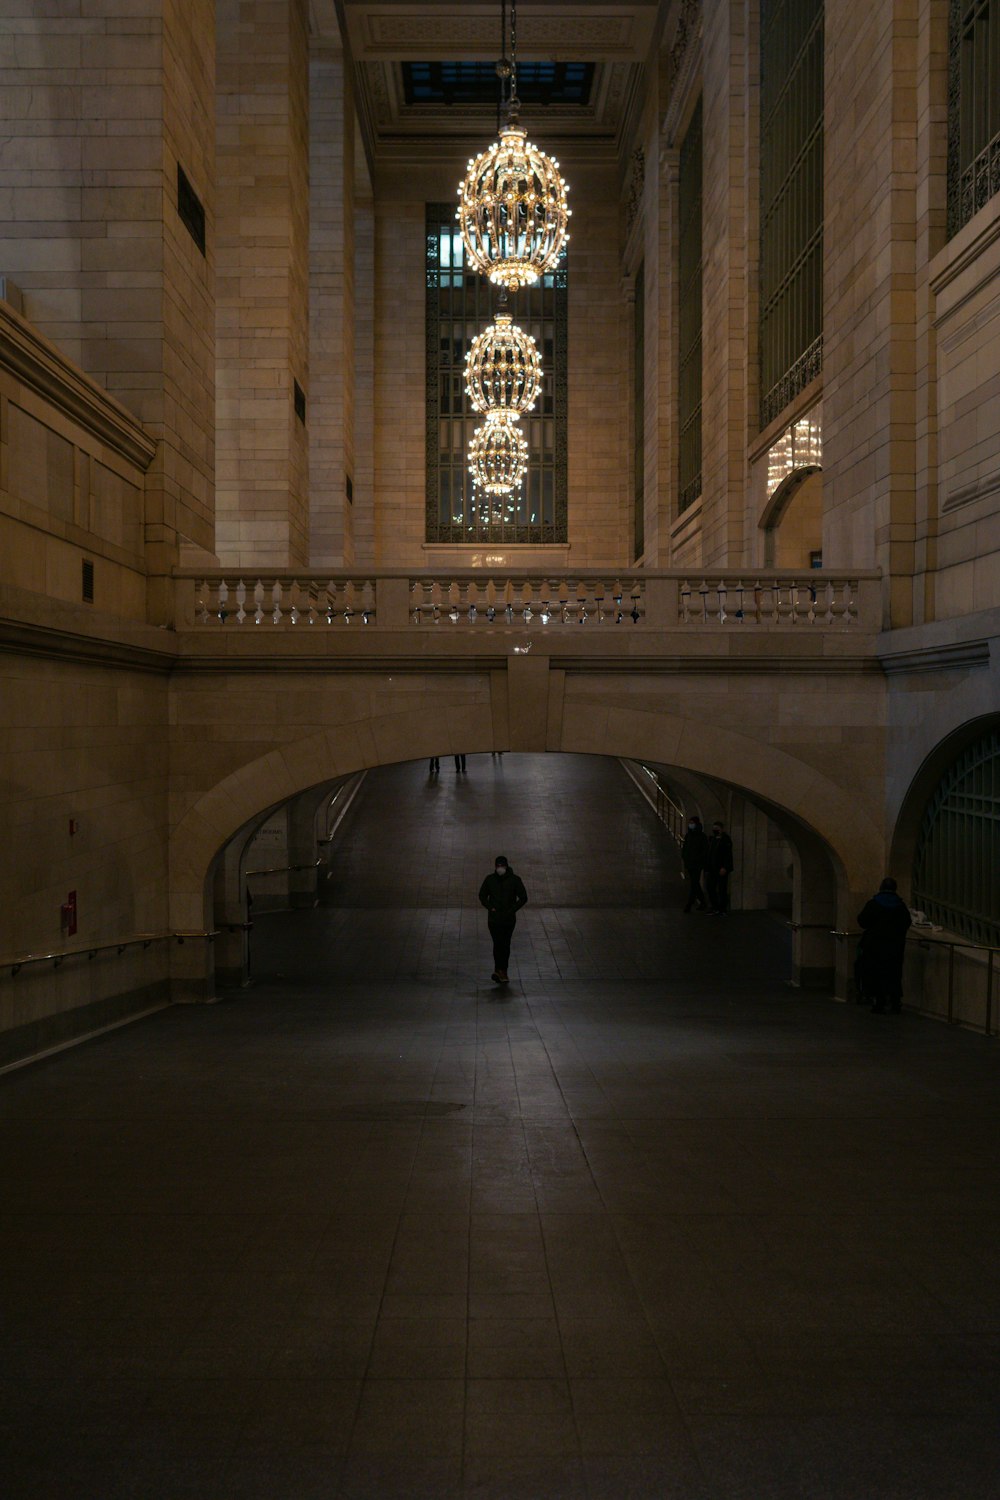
(648, 1224)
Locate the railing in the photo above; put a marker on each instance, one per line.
(921, 940)
(90, 950)
(667, 810)
(481, 599)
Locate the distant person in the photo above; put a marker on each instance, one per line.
(884, 921)
(718, 868)
(503, 895)
(693, 852)
(434, 766)
(459, 762)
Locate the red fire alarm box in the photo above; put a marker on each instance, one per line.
(69, 915)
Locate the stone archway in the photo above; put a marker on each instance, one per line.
(835, 815)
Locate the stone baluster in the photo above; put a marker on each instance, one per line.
(201, 613)
(474, 597)
(368, 602)
(294, 600)
(527, 598)
(684, 597)
(241, 599)
(737, 599)
(508, 601)
(563, 598)
(258, 602)
(783, 604)
(454, 596)
(491, 600)
(221, 600)
(545, 592)
(276, 596)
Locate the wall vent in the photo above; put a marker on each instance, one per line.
(88, 581)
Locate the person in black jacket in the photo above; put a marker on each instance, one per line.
(885, 921)
(503, 895)
(718, 868)
(693, 851)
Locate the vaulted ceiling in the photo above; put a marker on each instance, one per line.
(382, 35)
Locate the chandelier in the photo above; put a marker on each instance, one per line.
(512, 203)
(498, 454)
(503, 372)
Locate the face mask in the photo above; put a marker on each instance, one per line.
(501, 869)
(692, 826)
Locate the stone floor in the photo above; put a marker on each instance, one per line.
(648, 1224)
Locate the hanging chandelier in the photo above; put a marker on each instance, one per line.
(503, 372)
(498, 454)
(512, 207)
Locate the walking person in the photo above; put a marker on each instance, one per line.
(459, 762)
(885, 921)
(503, 895)
(718, 868)
(434, 766)
(693, 852)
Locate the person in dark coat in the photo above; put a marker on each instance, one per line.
(693, 851)
(718, 868)
(503, 895)
(885, 921)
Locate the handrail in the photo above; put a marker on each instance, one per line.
(920, 937)
(284, 869)
(142, 939)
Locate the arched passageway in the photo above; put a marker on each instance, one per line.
(399, 900)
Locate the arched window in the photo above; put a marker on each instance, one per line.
(973, 108)
(956, 871)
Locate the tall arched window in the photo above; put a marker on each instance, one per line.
(956, 871)
(460, 304)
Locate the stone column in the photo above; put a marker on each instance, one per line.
(99, 116)
(262, 300)
(331, 304)
(724, 284)
(869, 354)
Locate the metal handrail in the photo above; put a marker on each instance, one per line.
(286, 869)
(918, 936)
(142, 939)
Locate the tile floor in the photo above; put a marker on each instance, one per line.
(649, 1224)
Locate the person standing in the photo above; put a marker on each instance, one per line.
(693, 852)
(718, 868)
(503, 895)
(459, 762)
(884, 921)
(434, 765)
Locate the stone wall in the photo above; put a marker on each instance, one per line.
(101, 110)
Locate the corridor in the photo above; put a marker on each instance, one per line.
(648, 1225)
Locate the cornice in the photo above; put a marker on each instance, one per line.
(939, 658)
(40, 366)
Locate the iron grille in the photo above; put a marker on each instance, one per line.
(639, 400)
(956, 872)
(689, 194)
(791, 200)
(973, 108)
(460, 303)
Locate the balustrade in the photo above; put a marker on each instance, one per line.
(537, 602)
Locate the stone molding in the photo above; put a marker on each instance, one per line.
(43, 369)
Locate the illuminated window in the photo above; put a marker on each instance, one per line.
(791, 200)
(689, 195)
(973, 108)
(460, 304)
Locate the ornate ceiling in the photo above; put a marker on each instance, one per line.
(615, 35)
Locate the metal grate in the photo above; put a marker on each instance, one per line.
(689, 323)
(956, 872)
(87, 581)
(973, 108)
(639, 422)
(791, 200)
(460, 303)
(538, 83)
